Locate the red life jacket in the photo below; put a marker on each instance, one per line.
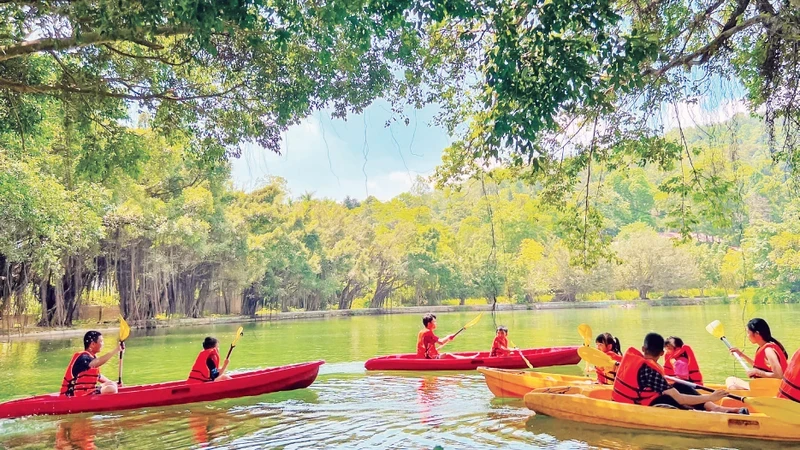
(684, 352)
(790, 385)
(760, 361)
(626, 384)
(201, 373)
(497, 344)
(607, 376)
(423, 351)
(85, 383)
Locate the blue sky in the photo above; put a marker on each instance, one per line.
(326, 156)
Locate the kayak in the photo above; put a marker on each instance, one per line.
(538, 357)
(517, 383)
(592, 405)
(257, 382)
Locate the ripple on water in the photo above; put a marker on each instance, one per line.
(344, 410)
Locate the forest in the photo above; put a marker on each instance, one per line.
(118, 124)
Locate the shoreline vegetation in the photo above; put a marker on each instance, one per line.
(34, 333)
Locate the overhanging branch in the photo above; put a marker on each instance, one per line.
(85, 40)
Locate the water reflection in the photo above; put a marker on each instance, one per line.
(75, 434)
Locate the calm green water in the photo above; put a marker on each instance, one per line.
(348, 408)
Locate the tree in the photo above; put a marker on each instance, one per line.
(650, 262)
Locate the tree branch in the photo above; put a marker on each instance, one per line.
(86, 40)
(48, 89)
(707, 50)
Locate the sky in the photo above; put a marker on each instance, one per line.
(359, 157)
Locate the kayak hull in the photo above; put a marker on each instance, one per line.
(591, 405)
(257, 382)
(516, 383)
(538, 357)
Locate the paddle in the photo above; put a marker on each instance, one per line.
(530, 366)
(586, 333)
(124, 332)
(239, 333)
(778, 408)
(715, 329)
(469, 324)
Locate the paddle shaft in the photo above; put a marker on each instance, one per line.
(738, 357)
(229, 351)
(121, 353)
(701, 388)
(530, 366)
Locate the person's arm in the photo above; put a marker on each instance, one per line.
(224, 368)
(740, 353)
(99, 361)
(692, 400)
(774, 364)
(445, 339)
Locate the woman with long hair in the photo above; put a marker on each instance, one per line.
(770, 359)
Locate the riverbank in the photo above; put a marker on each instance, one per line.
(66, 333)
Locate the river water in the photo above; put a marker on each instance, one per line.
(349, 408)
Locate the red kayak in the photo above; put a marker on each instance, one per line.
(257, 382)
(539, 357)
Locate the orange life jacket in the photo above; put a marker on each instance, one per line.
(790, 385)
(422, 352)
(684, 352)
(497, 344)
(607, 376)
(760, 361)
(85, 383)
(626, 384)
(201, 373)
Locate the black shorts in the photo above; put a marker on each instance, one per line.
(669, 401)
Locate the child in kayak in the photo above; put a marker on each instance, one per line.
(427, 340)
(680, 362)
(771, 357)
(609, 345)
(500, 344)
(206, 366)
(640, 380)
(82, 376)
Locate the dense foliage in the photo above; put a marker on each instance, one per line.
(117, 120)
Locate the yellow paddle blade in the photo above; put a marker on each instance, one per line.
(124, 329)
(473, 321)
(239, 333)
(781, 409)
(716, 329)
(586, 333)
(765, 384)
(595, 357)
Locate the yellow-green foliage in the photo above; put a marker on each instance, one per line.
(102, 298)
(627, 294)
(594, 297)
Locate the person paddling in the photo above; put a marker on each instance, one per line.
(771, 357)
(83, 376)
(609, 345)
(427, 340)
(680, 362)
(206, 366)
(500, 344)
(640, 380)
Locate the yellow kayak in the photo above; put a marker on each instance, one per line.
(593, 405)
(516, 383)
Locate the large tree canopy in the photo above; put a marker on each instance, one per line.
(571, 77)
(223, 72)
